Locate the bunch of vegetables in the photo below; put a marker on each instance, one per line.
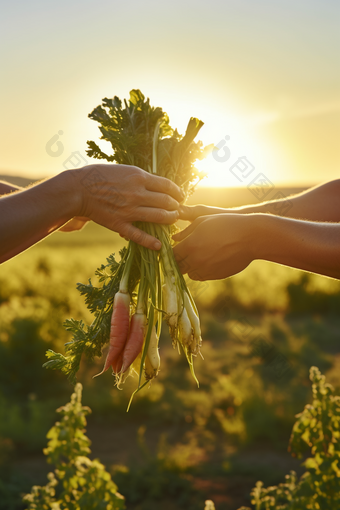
(145, 287)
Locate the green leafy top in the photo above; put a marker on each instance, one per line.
(135, 130)
(130, 126)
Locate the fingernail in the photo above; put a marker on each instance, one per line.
(157, 245)
(182, 194)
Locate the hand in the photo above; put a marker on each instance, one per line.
(115, 196)
(192, 212)
(76, 223)
(215, 247)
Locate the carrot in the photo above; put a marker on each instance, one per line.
(119, 330)
(117, 366)
(135, 340)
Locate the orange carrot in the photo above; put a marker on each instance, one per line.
(117, 366)
(135, 340)
(119, 329)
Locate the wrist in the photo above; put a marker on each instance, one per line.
(70, 181)
(262, 230)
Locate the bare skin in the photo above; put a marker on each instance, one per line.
(114, 196)
(222, 242)
(74, 224)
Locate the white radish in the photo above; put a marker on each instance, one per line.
(193, 317)
(152, 360)
(195, 324)
(170, 306)
(185, 329)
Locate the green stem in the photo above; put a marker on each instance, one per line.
(154, 148)
(124, 282)
(142, 291)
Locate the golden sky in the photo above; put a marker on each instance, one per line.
(264, 73)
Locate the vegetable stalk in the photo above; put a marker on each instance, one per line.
(140, 135)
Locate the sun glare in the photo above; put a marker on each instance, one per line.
(234, 136)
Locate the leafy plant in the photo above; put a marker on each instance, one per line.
(77, 482)
(145, 286)
(317, 428)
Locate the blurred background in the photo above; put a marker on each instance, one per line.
(264, 77)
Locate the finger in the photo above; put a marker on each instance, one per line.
(161, 200)
(154, 215)
(190, 213)
(181, 257)
(183, 265)
(140, 237)
(164, 185)
(187, 231)
(197, 276)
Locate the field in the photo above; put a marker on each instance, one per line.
(178, 445)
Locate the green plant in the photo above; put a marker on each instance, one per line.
(77, 482)
(158, 479)
(318, 429)
(145, 286)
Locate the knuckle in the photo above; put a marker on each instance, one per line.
(166, 185)
(140, 175)
(162, 215)
(137, 236)
(168, 201)
(134, 196)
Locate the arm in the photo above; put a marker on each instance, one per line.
(114, 196)
(321, 203)
(31, 214)
(232, 241)
(76, 223)
(6, 187)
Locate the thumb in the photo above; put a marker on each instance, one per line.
(190, 213)
(187, 231)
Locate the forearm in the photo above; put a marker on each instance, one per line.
(321, 203)
(305, 245)
(30, 215)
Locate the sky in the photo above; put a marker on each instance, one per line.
(264, 77)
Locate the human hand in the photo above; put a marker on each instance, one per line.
(115, 196)
(192, 212)
(217, 246)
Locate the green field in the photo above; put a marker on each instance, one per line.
(179, 444)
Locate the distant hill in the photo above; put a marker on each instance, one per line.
(17, 180)
(219, 197)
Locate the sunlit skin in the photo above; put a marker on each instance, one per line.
(222, 242)
(113, 196)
